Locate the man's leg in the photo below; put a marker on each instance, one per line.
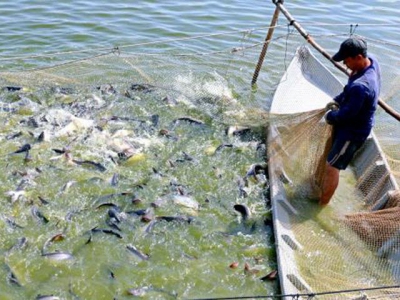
(329, 185)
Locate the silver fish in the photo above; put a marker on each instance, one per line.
(143, 291)
(58, 256)
(137, 252)
(47, 297)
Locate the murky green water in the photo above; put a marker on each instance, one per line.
(190, 260)
(178, 174)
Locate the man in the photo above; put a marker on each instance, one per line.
(352, 112)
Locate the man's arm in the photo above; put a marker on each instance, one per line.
(349, 108)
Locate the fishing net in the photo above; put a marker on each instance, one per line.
(353, 242)
(127, 106)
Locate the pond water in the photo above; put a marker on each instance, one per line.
(144, 129)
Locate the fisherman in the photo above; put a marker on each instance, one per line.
(352, 112)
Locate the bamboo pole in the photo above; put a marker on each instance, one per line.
(265, 46)
(295, 24)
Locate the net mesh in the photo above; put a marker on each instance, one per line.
(353, 243)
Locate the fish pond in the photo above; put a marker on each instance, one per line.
(125, 190)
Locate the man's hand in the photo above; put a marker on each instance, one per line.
(332, 106)
(326, 118)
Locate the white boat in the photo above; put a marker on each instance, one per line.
(317, 254)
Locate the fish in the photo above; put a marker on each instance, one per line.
(242, 188)
(107, 89)
(237, 130)
(243, 210)
(38, 215)
(113, 224)
(106, 231)
(96, 165)
(170, 101)
(19, 192)
(166, 133)
(15, 195)
(136, 201)
(270, 276)
(148, 216)
(142, 87)
(11, 278)
(6, 107)
(67, 186)
(119, 118)
(58, 256)
(189, 120)
(75, 124)
(175, 218)
(41, 137)
(256, 169)
(222, 146)
(12, 88)
(250, 271)
(22, 149)
(43, 201)
(14, 135)
(32, 122)
(138, 212)
(89, 239)
(115, 214)
(24, 183)
(114, 179)
(155, 120)
(47, 297)
(186, 157)
(59, 151)
(186, 201)
(143, 291)
(55, 238)
(159, 202)
(137, 252)
(157, 174)
(150, 226)
(111, 273)
(218, 173)
(20, 244)
(11, 222)
(106, 204)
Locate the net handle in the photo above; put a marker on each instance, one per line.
(279, 6)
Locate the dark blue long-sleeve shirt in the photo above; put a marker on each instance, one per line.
(358, 101)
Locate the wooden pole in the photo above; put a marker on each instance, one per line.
(292, 21)
(265, 46)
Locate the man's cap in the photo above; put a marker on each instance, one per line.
(350, 48)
